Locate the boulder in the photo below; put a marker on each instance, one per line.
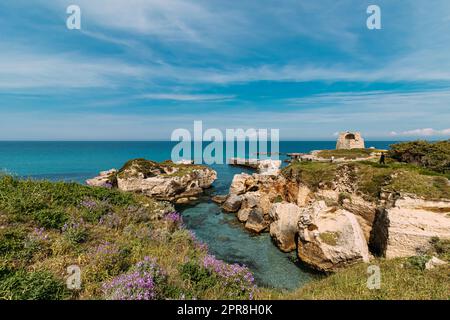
(284, 228)
(256, 221)
(330, 238)
(243, 214)
(251, 199)
(240, 183)
(407, 227)
(232, 203)
(220, 199)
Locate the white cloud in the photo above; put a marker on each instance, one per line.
(425, 132)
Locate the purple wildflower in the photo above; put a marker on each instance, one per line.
(89, 204)
(174, 217)
(141, 283)
(39, 234)
(107, 185)
(234, 276)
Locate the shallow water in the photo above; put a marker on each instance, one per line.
(224, 235)
(229, 241)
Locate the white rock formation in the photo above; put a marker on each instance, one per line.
(330, 238)
(284, 228)
(407, 227)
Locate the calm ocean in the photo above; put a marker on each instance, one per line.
(226, 238)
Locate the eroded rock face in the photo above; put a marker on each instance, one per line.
(162, 181)
(284, 228)
(407, 227)
(364, 212)
(330, 238)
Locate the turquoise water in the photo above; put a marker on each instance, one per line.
(225, 236)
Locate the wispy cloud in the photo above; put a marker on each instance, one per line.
(186, 97)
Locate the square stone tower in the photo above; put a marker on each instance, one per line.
(350, 140)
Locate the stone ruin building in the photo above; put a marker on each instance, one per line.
(350, 140)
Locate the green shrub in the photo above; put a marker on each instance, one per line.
(432, 155)
(51, 218)
(199, 277)
(442, 247)
(11, 241)
(37, 285)
(75, 231)
(25, 197)
(417, 262)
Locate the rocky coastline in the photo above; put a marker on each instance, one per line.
(332, 215)
(330, 220)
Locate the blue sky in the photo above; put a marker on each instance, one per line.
(138, 69)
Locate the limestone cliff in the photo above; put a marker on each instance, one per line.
(335, 215)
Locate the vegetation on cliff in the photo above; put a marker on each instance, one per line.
(126, 245)
(370, 178)
(431, 155)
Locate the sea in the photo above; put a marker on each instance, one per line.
(73, 161)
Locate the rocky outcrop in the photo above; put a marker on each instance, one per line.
(266, 166)
(330, 238)
(162, 181)
(406, 228)
(104, 179)
(332, 220)
(257, 190)
(283, 229)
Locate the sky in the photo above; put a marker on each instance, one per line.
(139, 69)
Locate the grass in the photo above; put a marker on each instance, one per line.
(396, 177)
(398, 281)
(347, 153)
(371, 178)
(432, 155)
(311, 173)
